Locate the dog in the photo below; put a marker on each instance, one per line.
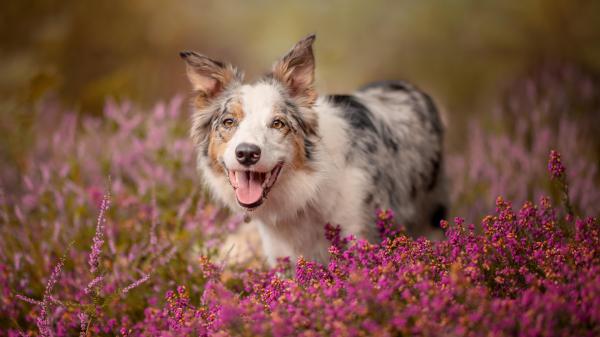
(294, 160)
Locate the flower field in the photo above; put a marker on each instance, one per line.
(106, 230)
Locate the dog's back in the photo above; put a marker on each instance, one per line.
(396, 137)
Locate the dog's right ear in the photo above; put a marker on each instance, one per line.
(207, 76)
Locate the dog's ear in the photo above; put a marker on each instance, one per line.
(296, 70)
(207, 76)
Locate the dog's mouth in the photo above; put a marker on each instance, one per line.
(251, 187)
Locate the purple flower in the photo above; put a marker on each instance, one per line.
(98, 240)
(83, 319)
(43, 321)
(93, 284)
(135, 284)
(555, 166)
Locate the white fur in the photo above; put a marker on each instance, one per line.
(258, 101)
(291, 221)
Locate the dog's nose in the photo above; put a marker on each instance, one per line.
(247, 154)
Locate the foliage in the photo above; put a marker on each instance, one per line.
(109, 232)
(554, 107)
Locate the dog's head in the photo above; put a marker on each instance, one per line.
(259, 135)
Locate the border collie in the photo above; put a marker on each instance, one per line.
(295, 160)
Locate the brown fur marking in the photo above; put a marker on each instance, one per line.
(299, 161)
(219, 137)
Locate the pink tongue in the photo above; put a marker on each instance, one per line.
(249, 188)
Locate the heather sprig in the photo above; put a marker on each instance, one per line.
(135, 284)
(84, 324)
(557, 172)
(555, 166)
(93, 284)
(98, 240)
(43, 321)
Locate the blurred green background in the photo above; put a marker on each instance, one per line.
(464, 52)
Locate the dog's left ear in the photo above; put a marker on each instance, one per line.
(296, 70)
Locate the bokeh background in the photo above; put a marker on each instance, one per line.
(468, 54)
(464, 52)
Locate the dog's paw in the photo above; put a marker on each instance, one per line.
(242, 247)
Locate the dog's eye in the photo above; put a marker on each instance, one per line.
(228, 122)
(277, 124)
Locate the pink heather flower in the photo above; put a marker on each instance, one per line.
(333, 235)
(93, 284)
(557, 171)
(209, 269)
(43, 320)
(135, 284)
(28, 299)
(555, 166)
(42, 323)
(54, 278)
(98, 239)
(384, 224)
(83, 319)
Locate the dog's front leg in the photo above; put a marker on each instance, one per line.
(243, 245)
